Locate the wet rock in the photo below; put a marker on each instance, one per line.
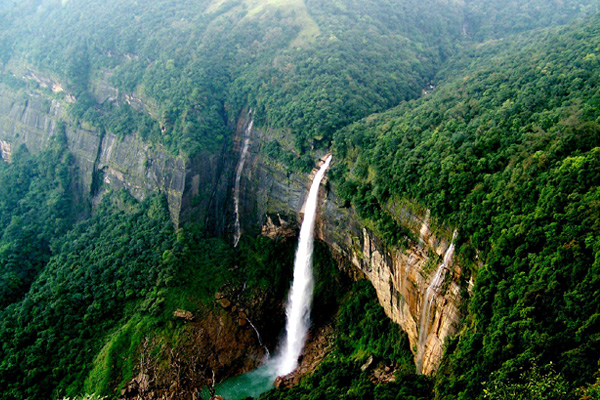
(317, 347)
(280, 383)
(400, 275)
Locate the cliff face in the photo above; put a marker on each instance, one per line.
(401, 278)
(194, 188)
(272, 202)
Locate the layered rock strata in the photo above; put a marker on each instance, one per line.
(271, 199)
(401, 276)
(195, 188)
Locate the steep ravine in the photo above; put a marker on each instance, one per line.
(270, 196)
(270, 204)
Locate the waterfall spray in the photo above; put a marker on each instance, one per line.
(430, 293)
(238, 177)
(298, 310)
(300, 297)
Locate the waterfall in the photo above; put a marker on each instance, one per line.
(259, 338)
(427, 305)
(300, 297)
(238, 177)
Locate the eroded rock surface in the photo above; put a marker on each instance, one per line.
(400, 276)
(195, 188)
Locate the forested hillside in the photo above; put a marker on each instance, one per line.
(506, 150)
(311, 68)
(197, 63)
(486, 113)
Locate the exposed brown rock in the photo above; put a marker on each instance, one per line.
(319, 344)
(225, 303)
(383, 373)
(187, 315)
(210, 348)
(277, 228)
(367, 364)
(399, 274)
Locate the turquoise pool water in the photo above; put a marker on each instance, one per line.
(251, 384)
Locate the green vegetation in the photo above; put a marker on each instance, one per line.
(185, 69)
(36, 205)
(363, 333)
(508, 151)
(506, 148)
(114, 281)
(99, 275)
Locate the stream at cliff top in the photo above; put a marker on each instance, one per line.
(297, 311)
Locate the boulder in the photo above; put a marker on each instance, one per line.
(224, 303)
(187, 315)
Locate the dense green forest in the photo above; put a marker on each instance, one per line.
(37, 205)
(485, 112)
(311, 68)
(506, 151)
(113, 281)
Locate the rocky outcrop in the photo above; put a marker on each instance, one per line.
(195, 188)
(183, 314)
(401, 278)
(319, 344)
(138, 167)
(5, 151)
(271, 200)
(276, 227)
(210, 348)
(400, 275)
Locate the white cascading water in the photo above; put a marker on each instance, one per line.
(236, 189)
(432, 289)
(300, 297)
(267, 353)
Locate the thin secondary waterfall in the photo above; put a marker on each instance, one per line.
(298, 311)
(259, 338)
(238, 177)
(300, 297)
(432, 289)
